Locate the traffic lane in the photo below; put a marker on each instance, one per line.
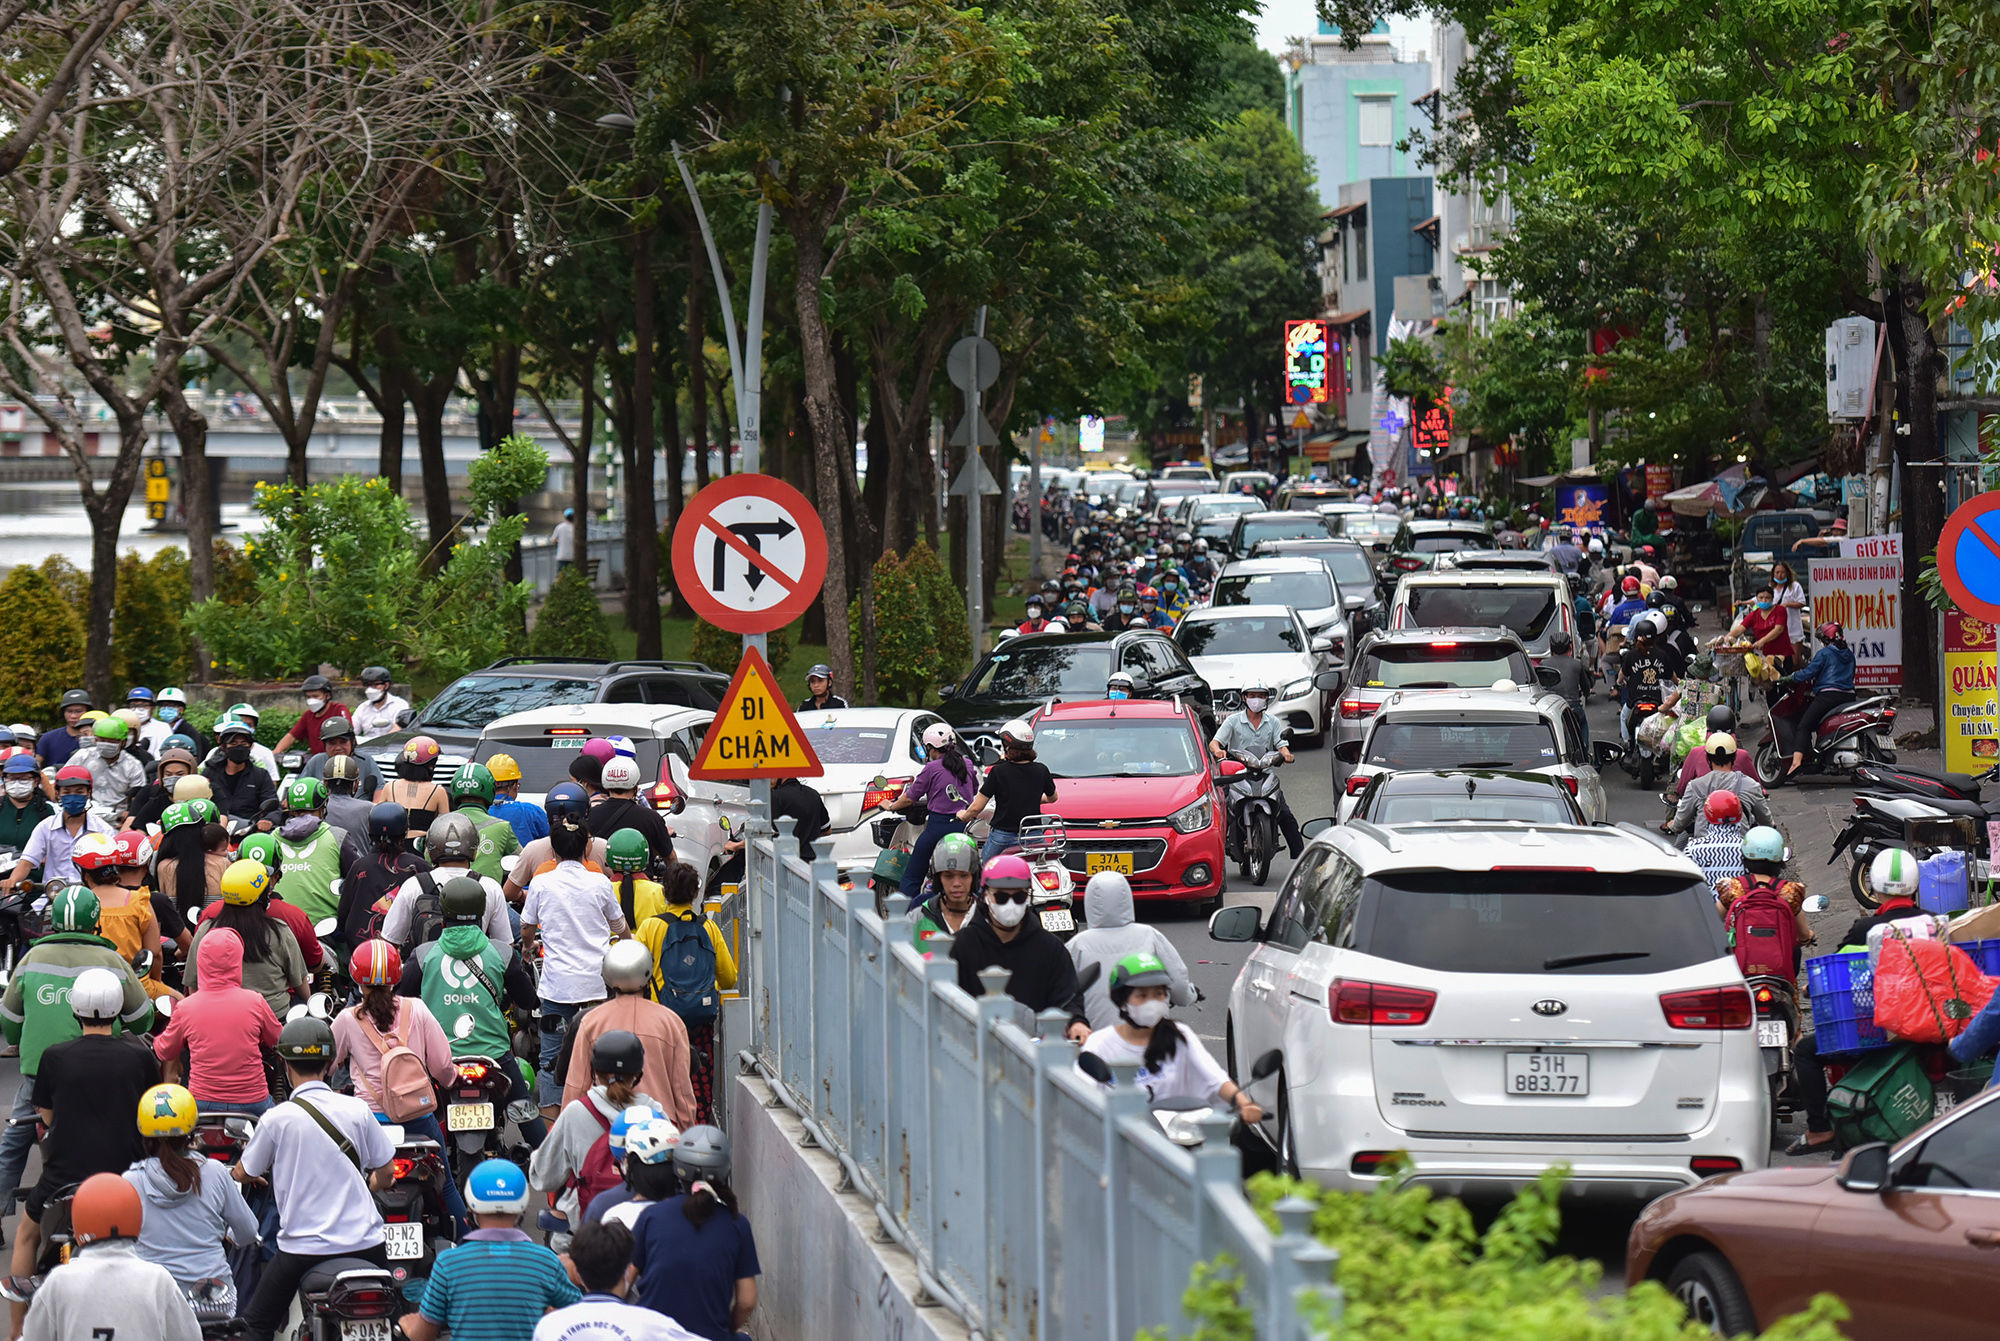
(10, 1082)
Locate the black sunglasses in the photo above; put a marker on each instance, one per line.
(1009, 895)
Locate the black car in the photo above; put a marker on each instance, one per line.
(1466, 796)
(457, 715)
(1023, 673)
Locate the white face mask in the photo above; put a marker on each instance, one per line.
(1256, 704)
(1007, 914)
(20, 788)
(108, 748)
(145, 714)
(1146, 1014)
(375, 695)
(315, 704)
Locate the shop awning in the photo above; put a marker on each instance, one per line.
(1348, 318)
(1342, 211)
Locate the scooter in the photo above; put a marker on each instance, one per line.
(1044, 840)
(1902, 780)
(415, 1225)
(1922, 826)
(1251, 791)
(1777, 1003)
(897, 837)
(345, 1299)
(476, 1110)
(1853, 734)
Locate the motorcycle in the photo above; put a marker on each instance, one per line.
(21, 920)
(345, 1299)
(415, 1225)
(1921, 826)
(476, 1110)
(896, 837)
(1777, 1003)
(1852, 734)
(1901, 780)
(1644, 761)
(1250, 791)
(1044, 840)
(1180, 1117)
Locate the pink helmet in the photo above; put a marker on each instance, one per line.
(600, 750)
(1830, 632)
(1009, 870)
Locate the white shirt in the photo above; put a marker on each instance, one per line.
(1190, 1074)
(1792, 598)
(154, 733)
(324, 1205)
(576, 911)
(565, 537)
(50, 846)
(396, 922)
(376, 719)
(603, 1317)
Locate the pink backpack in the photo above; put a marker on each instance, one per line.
(406, 1090)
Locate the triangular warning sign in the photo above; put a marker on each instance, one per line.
(754, 734)
(1299, 420)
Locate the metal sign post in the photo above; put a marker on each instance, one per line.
(973, 365)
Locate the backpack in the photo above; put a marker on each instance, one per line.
(685, 979)
(600, 1171)
(406, 1090)
(427, 917)
(1762, 931)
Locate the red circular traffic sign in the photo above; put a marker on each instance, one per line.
(749, 554)
(1968, 556)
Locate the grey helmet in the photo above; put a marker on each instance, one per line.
(703, 1152)
(628, 966)
(452, 837)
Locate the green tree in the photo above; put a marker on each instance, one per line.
(906, 652)
(149, 646)
(722, 650)
(944, 613)
(70, 583)
(41, 646)
(571, 622)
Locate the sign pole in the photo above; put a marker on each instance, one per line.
(975, 503)
(1034, 513)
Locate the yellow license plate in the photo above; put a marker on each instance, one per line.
(1093, 862)
(469, 1117)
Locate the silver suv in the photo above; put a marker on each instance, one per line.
(1416, 661)
(1531, 605)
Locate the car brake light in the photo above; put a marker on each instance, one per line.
(1453, 643)
(1409, 565)
(1707, 1165)
(882, 792)
(1370, 1161)
(1568, 782)
(1376, 1003)
(1354, 709)
(1358, 783)
(569, 731)
(1708, 1008)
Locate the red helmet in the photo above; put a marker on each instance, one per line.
(94, 852)
(73, 773)
(1009, 870)
(1631, 584)
(1830, 632)
(105, 1207)
(1646, 550)
(135, 847)
(1722, 807)
(375, 964)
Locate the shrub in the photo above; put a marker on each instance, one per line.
(71, 584)
(944, 613)
(235, 578)
(148, 646)
(41, 646)
(906, 651)
(571, 623)
(272, 723)
(723, 650)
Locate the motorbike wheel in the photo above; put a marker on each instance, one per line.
(1857, 884)
(1646, 765)
(1257, 844)
(1769, 762)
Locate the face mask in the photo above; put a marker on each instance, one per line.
(375, 695)
(1115, 693)
(1256, 704)
(20, 788)
(75, 805)
(145, 714)
(1124, 609)
(169, 713)
(109, 749)
(315, 704)
(237, 754)
(1147, 1013)
(1008, 914)
(1763, 605)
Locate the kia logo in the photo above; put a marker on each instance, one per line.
(1550, 1007)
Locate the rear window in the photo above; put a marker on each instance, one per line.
(1444, 544)
(1037, 672)
(1442, 666)
(1525, 611)
(851, 744)
(1298, 526)
(1302, 590)
(545, 760)
(469, 704)
(1365, 525)
(1523, 743)
(1570, 922)
(1476, 805)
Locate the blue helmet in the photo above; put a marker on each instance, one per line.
(496, 1187)
(21, 763)
(567, 800)
(627, 1118)
(138, 694)
(7, 736)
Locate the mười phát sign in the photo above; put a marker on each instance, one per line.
(1864, 597)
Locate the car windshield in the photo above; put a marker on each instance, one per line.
(1073, 671)
(1521, 610)
(1294, 526)
(1306, 502)
(1443, 665)
(1365, 525)
(470, 703)
(849, 744)
(545, 759)
(1111, 748)
(1447, 802)
(1575, 922)
(1303, 590)
(1248, 636)
(1498, 742)
(1444, 544)
(1225, 507)
(1351, 568)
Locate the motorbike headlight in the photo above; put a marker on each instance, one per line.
(1193, 817)
(1295, 688)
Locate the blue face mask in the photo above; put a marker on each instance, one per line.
(167, 712)
(1125, 609)
(74, 805)
(1115, 693)
(1763, 605)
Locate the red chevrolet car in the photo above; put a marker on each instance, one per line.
(1134, 789)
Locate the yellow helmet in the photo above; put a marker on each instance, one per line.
(166, 1110)
(503, 768)
(94, 715)
(245, 882)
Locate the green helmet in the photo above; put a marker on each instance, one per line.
(110, 728)
(472, 780)
(463, 901)
(627, 851)
(303, 794)
(200, 811)
(259, 847)
(245, 712)
(74, 909)
(955, 852)
(229, 723)
(1139, 970)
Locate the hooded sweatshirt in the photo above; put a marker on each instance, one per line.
(667, 1052)
(1043, 978)
(108, 1290)
(465, 1009)
(35, 1011)
(1111, 934)
(223, 1027)
(311, 851)
(182, 1231)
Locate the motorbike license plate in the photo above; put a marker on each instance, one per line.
(1093, 862)
(469, 1117)
(404, 1241)
(365, 1329)
(1770, 1033)
(1057, 919)
(1565, 1074)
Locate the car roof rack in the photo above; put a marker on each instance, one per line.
(662, 665)
(1376, 832)
(546, 661)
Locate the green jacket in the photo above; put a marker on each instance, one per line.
(311, 865)
(497, 839)
(471, 1018)
(17, 822)
(35, 1012)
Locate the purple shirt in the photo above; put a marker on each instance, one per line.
(943, 791)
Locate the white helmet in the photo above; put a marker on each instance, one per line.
(1018, 732)
(938, 735)
(97, 995)
(652, 1141)
(621, 773)
(1596, 545)
(1652, 623)
(1670, 583)
(628, 964)
(1893, 873)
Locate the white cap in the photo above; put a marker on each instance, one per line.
(621, 773)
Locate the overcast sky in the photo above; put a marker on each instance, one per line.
(1296, 18)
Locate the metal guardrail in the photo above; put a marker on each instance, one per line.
(1035, 1204)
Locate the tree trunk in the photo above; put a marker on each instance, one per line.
(430, 398)
(642, 585)
(579, 458)
(829, 422)
(389, 442)
(106, 510)
(191, 431)
(1919, 454)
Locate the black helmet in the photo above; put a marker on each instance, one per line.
(1559, 643)
(463, 901)
(617, 1053)
(306, 1039)
(375, 675)
(388, 826)
(335, 728)
(1721, 718)
(317, 682)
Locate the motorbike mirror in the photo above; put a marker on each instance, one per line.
(297, 1012)
(320, 1006)
(1185, 1103)
(1231, 768)
(1095, 1067)
(1313, 828)
(1088, 975)
(1817, 903)
(325, 927)
(1267, 1065)
(1239, 922)
(509, 862)
(1348, 751)
(242, 1128)
(164, 1007)
(988, 756)
(142, 963)
(1866, 1169)
(393, 1132)
(1604, 753)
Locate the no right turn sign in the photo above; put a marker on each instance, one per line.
(749, 554)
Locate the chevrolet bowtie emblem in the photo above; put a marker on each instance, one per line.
(1107, 824)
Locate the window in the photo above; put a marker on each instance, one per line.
(631, 690)
(1963, 1155)
(1524, 610)
(1361, 247)
(1450, 666)
(1289, 916)
(476, 700)
(1163, 660)
(1375, 121)
(662, 689)
(1494, 743)
(1301, 591)
(1265, 635)
(1492, 301)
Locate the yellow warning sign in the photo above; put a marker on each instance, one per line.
(1299, 420)
(754, 734)
(158, 490)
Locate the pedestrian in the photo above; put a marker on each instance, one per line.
(564, 535)
(1017, 787)
(497, 1283)
(598, 1257)
(694, 1254)
(944, 786)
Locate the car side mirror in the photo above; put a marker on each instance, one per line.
(1267, 1066)
(405, 717)
(1231, 768)
(1352, 603)
(1328, 681)
(1323, 643)
(1348, 751)
(1313, 828)
(1549, 676)
(947, 691)
(1604, 753)
(1817, 903)
(1866, 1169)
(1236, 923)
(1141, 686)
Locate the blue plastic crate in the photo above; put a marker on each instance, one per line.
(1843, 1003)
(1986, 954)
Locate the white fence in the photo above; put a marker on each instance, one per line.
(1035, 1205)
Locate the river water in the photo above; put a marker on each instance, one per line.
(43, 517)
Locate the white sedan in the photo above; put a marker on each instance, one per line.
(1236, 647)
(869, 755)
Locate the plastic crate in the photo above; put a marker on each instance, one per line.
(1986, 954)
(1843, 1003)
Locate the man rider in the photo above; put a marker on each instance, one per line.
(55, 747)
(1037, 619)
(1126, 614)
(376, 714)
(1150, 614)
(321, 707)
(1646, 670)
(955, 873)
(530, 821)
(1004, 933)
(819, 690)
(25, 806)
(472, 791)
(152, 732)
(1251, 734)
(240, 788)
(315, 853)
(337, 735)
(54, 840)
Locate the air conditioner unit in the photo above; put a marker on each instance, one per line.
(1850, 364)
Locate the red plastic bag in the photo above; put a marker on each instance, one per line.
(1928, 991)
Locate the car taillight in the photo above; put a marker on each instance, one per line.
(1358, 783)
(1708, 1008)
(1354, 709)
(1376, 1003)
(1406, 565)
(1370, 1161)
(1568, 782)
(882, 792)
(665, 796)
(1710, 1165)
(1452, 643)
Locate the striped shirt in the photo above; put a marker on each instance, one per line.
(495, 1286)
